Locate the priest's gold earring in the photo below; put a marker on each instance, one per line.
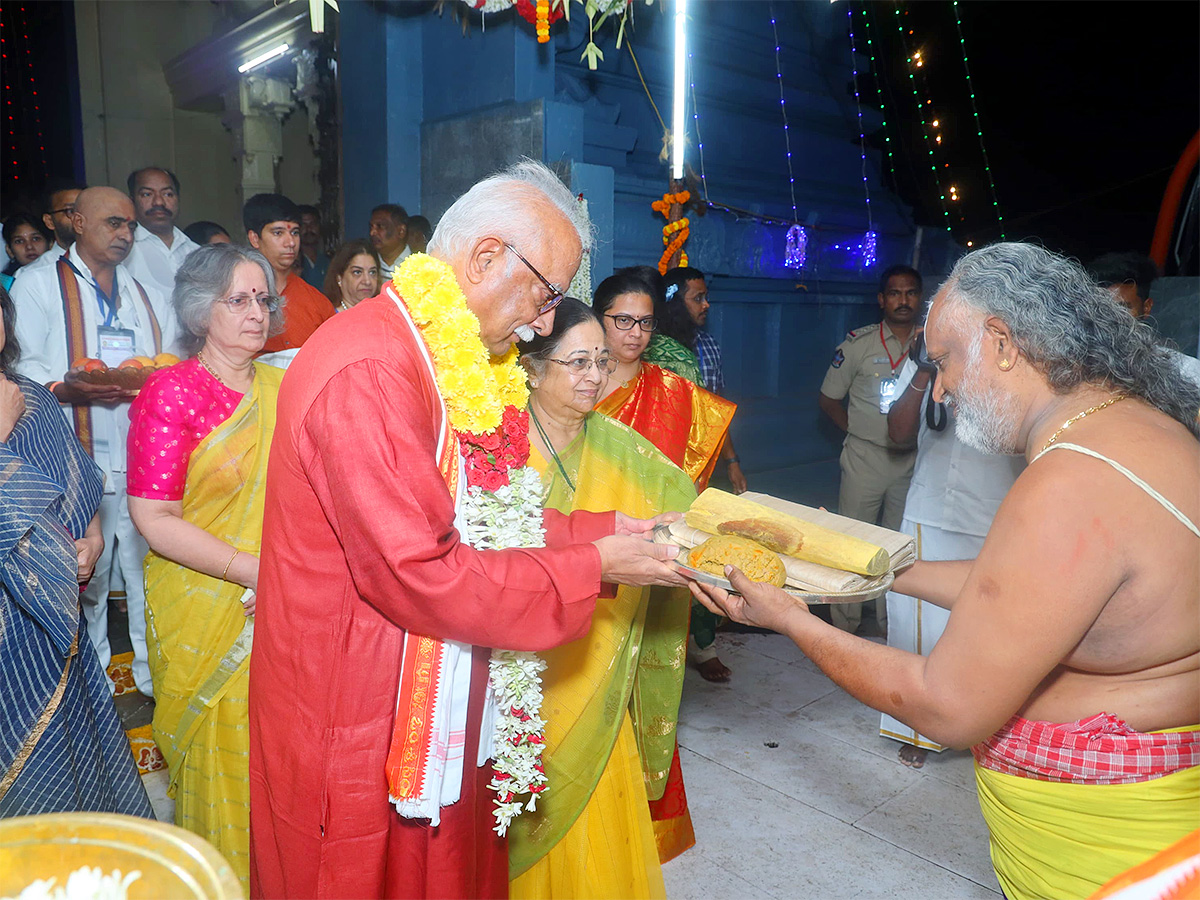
(1005, 365)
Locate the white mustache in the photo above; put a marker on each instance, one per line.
(525, 333)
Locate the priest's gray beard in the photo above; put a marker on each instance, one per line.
(985, 417)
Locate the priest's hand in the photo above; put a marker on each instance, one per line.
(633, 561)
(754, 603)
(627, 525)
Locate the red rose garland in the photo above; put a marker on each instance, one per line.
(490, 457)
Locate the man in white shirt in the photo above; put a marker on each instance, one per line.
(58, 204)
(389, 236)
(952, 499)
(159, 246)
(88, 305)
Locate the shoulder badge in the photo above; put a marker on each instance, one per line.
(838, 358)
(860, 332)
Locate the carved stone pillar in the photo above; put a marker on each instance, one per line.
(254, 114)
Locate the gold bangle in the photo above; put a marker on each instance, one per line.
(228, 564)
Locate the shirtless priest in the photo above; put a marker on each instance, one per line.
(1071, 661)
(384, 579)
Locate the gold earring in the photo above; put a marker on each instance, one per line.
(1005, 365)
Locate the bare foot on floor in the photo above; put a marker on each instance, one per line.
(714, 670)
(913, 756)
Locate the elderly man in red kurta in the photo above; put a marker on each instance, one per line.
(361, 550)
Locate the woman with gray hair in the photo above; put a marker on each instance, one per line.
(198, 446)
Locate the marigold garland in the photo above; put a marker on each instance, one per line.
(680, 228)
(476, 385)
(541, 14)
(501, 506)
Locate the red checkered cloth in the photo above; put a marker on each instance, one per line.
(1100, 749)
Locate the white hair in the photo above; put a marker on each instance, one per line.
(985, 418)
(1069, 328)
(503, 205)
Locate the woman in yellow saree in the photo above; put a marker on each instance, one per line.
(612, 697)
(198, 446)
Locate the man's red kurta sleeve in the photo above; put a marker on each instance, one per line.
(580, 527)
(367, 446)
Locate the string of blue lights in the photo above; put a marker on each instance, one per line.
(796, 252)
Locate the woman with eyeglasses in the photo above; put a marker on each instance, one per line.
(198, 445)
(613, 690)
(686, 423)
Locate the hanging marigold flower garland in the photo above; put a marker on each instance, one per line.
(674, 234)
(541, 14)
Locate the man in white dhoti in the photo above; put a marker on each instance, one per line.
(953, 497)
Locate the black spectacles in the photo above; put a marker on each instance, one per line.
(581, 365)
(66, 211)
(556, 293)
(626, 323)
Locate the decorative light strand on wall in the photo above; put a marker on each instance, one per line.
(913, 59)
(887, 140)
(696, 123)
(987, 168)
(869, 239)
(796, 255)
(10, 128)
(37, 113)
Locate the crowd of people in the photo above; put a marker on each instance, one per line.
(461, 457)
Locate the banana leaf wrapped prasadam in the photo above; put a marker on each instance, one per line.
(721, 513)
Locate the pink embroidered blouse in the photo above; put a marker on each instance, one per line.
(172, 414)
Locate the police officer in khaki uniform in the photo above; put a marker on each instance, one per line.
(875, 471)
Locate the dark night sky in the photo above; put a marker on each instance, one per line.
(1085, 109)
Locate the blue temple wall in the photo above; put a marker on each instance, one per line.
(452, 106)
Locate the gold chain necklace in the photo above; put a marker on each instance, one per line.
(209, 369)
(1083, 415)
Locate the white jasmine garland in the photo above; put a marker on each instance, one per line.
(511, 516)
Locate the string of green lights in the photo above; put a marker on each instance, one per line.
(914, 58)
(887, 139)
(987, 167)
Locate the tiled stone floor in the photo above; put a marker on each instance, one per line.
(828, 813)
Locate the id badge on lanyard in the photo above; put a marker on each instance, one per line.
(116, 345)
(887, 394)
(887, 387)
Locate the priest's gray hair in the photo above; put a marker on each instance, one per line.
(206, 277)
(502, 206)
(1069, 328)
